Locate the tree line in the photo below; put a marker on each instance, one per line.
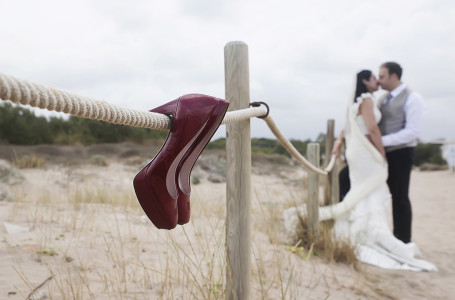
(20, 126)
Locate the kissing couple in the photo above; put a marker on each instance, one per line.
(380, 136)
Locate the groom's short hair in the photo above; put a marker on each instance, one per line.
(394, 68)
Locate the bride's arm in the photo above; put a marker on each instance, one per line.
(338, 143)
(366, 110)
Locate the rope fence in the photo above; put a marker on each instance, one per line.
(28, 93)
(238, 150)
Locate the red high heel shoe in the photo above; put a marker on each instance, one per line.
(163, 186)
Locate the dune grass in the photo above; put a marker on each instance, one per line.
(28, 161)
(95, 243)
(324, 245)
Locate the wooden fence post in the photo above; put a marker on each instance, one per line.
(313, 191)
(329, 194)
(238, 174)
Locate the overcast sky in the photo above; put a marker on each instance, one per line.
(303, 54)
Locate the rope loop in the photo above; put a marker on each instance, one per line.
(257, 104)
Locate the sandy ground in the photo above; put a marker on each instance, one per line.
(82, 228)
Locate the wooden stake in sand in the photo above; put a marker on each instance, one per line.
(238, 170)
(313, 191)
(329, 197)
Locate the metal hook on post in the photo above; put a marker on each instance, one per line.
(257, 104)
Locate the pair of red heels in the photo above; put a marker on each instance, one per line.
(163, 186)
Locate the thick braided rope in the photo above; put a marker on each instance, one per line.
(331, 163)
(294, 152)
(29, 93)
(243, 114)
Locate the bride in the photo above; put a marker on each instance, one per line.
(362, 217)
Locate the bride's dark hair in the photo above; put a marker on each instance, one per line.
(360, 88)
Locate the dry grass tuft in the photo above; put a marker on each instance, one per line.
(324, 245)
(29, 161)
(99, 160)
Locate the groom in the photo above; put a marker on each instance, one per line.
(400, 125)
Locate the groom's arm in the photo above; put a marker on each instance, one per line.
(414, 109)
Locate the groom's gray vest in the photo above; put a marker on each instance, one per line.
(394, 118)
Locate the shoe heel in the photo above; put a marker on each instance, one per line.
(184, 173)
(156, 194)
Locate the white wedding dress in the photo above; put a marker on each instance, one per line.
(362, 217)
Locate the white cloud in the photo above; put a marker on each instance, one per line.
(303, 54)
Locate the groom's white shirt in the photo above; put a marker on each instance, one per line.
(414, 108)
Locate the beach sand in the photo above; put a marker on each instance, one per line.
(80, 230)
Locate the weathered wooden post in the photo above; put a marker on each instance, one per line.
(238, 174)
(313, 190)
(330, 191)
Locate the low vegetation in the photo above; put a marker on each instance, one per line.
(324, 245)
(19, 126)
(95, 243)
(29, 161)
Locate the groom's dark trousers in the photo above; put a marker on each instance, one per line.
(400, 164)
(344, 182)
